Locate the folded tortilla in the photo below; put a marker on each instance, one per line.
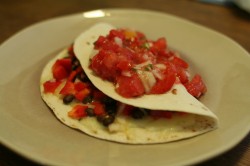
(198, 120)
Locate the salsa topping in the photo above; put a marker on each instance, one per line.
(138, 66)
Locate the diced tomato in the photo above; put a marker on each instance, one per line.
(98, 95)
(181, 113)
(111, 46)
(96, 61)
(115, 33)
(80, 86)
(182, 74)
(74, 73)
(161, 114)
(72, 76)
(196, 86)
(50, 86)
(104, 65)
(167, 82)
(59, 72)
(159, 45)
(123, 65)
(71, 51)
(80, 95)
(155, 114)
(69, 88)
(167, 114)
(130, 86)
(99, 108)
(164, 85)
(99, 42)
(65, 62)
(110, 61)
(61, 68)
(164, 54)
(179, 62)
(78, 112)
(140, 35)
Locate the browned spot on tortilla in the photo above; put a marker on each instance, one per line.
(174, 91)
(88, 43)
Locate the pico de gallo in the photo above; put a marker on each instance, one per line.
(138, 66)
(70, 83)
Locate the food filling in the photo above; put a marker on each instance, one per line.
(70, 83)
(138, 66)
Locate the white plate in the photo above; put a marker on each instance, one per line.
(28, 127)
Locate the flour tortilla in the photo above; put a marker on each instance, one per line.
(125, 129)
(182, 101)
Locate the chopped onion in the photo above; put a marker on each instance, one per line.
(188, 74)
(148, 79)
(156, 70)
(139, 66)
(118, 41)
(91, 106)
(157, 74)
(126, 73)
(145, 57)
(160, 66)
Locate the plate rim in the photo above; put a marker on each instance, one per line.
(26, 29)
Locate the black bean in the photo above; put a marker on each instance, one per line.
(90, 112)
(108, 100)
(82, 77)
(112, 112)
(73, 58)
(146, 111)
(100, 118)
(107, 120)
(110, 105)
(87, 99)
(75, 64)
(68, 99)
(138, 113)
(111, 108)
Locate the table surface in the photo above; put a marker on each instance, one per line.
(18, 14)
